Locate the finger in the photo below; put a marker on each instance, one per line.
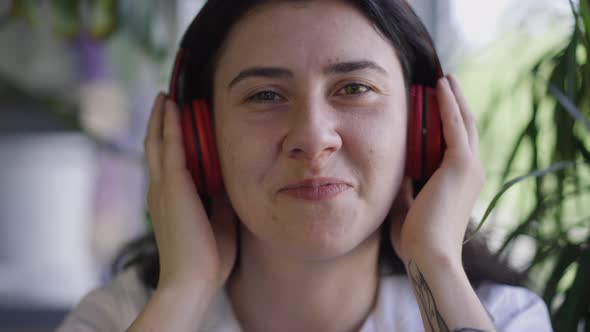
(454, 130)
(153, 138)
(468, 118)
(173, 148)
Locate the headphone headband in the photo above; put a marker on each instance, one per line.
(177, 82)
(425, 145)
(426, 34)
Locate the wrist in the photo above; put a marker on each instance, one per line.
(190, 281)
(186, 292)
(436, 258)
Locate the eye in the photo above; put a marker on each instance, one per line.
(265, 97)
(354, 89)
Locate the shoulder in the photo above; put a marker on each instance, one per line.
(112, 307)
(512, 308)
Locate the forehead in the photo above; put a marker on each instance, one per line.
(304, 36)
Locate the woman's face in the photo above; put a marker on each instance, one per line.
(310, 91)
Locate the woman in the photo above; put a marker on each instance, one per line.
(310, 107)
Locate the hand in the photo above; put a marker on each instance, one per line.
(193, 251)
(434, 223)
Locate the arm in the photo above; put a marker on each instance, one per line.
(428, 231)
(196, 253)
(446, 299)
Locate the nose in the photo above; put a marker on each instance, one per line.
(312, 135)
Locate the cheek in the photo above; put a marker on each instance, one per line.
(378, 150)
(380, 140)
(247, 156)
(246, 153)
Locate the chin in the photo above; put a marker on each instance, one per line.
(325, 239)
(314, 231)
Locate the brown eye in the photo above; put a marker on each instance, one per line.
(265, 97)
(354, 89)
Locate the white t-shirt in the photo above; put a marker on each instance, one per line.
(115, 306)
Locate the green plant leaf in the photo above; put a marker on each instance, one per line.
(519, 230)
(585, 16)
(505, 92)
(580, 16)
(537, 173)
(568, 105)
(534, 140)
(582, 149)
(537, 213)
(515, 147)
(567, 255)
(563, 123)
(577, 299)
(544, 253)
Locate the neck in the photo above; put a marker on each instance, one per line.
(270, 292)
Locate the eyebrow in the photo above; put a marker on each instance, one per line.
(278, 72)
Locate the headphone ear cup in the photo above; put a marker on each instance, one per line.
(425, 140)
(414, 145)
(435, 143)
(191, 145)
(211, 174)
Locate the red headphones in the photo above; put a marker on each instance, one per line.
(425, 139)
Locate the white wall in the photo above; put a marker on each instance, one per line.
(47, 183)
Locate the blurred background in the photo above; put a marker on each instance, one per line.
(77, 79)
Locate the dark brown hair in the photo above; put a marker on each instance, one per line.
(394, 19)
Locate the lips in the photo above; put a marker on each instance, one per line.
(316, 188)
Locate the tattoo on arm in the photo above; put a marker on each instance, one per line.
(426, 300)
